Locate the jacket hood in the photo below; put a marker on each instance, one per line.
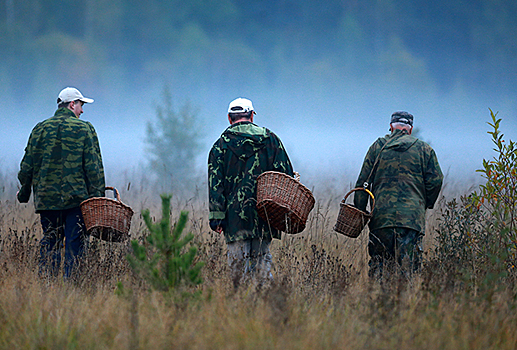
(245, 139)
(400, 141)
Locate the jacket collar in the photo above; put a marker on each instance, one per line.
(64, 112)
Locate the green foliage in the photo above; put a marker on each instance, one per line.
(174, 141)
(458, 224)
(477, 237)
(499, 194)
(165, 261)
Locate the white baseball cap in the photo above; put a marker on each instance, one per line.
(240, 105)
(70, 94)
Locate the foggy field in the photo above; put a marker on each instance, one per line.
(322, 298)
(325, 76)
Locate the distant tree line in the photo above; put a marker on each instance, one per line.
(107, 42)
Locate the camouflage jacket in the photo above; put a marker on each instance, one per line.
(407, 181)
(238, 157)
(62, 163)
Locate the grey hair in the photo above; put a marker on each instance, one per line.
(398, 125)
(401, 125)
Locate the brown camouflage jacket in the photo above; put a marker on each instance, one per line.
(238, 157)
(407, 181)
(62, 163)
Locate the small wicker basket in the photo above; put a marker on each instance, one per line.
(107, 219)
(283, 201)
(350, 220)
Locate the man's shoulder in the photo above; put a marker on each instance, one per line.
(218, 145)
(377, 144)
(79, 125)
(79, 122)
(73, 128)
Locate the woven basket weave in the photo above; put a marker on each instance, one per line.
(107, 219)
(351, 221)
(283, 201)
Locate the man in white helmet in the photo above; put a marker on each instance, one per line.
(238, 157)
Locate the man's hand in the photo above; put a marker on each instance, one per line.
(218, 225)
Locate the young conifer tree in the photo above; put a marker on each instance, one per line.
(166, 262)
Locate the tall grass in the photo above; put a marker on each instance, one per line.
(464, 298)
(322, 299)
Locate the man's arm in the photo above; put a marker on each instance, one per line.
(433, 179)
(281, 162)
(361, 197)
(216, 195)
(93, 168)
(26, 173)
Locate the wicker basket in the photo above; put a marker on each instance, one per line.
(283, 201)
(351, 221)
(107, 219)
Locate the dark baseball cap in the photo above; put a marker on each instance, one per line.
(402, 117)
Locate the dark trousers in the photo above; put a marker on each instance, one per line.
(397, 247)
(58, 226)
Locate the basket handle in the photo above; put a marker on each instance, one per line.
(361, 189)
(115, 192)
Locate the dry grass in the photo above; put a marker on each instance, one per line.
(322, 298)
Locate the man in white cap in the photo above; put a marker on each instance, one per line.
(238, 157)
(62, 165)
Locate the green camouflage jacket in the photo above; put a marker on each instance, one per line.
(238, 157)
(406, 182)
(62, 163)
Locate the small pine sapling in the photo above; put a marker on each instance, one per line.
(166, 262)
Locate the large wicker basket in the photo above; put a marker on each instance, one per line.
(283, 201)
(107, 219)
(351, 221)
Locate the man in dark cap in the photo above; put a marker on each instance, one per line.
(405, 178)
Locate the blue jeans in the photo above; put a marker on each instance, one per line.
(59, 225)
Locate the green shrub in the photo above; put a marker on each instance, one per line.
(167, 261)
(498, 196)
(476, 241)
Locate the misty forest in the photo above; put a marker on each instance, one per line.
(348, 61)
(325, 76)
(110, 44)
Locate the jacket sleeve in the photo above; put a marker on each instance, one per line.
(216, 195)
(281, 161)
(361, 197)
(25, 174)
(92, 164)
(433, 179)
